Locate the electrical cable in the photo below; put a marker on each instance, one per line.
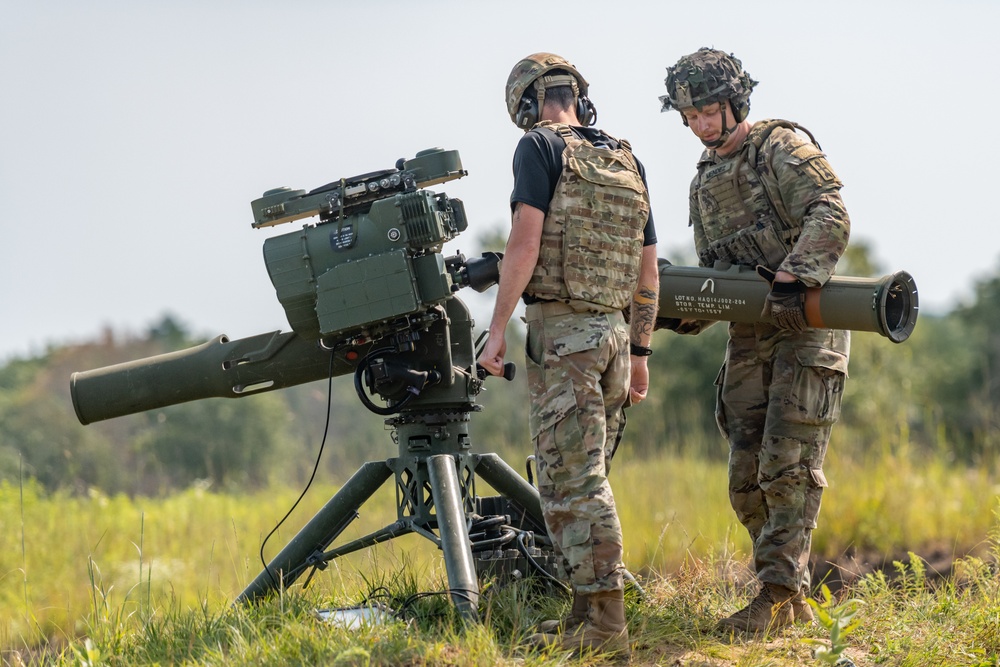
(506, 534)
(363, 395)
(322, 445)
(465, 594)
(545, 573)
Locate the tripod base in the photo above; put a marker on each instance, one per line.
(436, 499)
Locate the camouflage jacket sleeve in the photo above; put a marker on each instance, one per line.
(810, 196)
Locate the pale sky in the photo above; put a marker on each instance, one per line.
(133, 135)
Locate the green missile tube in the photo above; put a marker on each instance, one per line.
(217, 368)
(732, 293)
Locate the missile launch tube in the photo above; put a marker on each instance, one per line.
(217, 368)
(265, 362)
(733, 293)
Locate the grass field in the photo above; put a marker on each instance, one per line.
(114, 569)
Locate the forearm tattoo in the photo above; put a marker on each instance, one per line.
(643, 313)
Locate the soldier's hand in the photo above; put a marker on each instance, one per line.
(491, 358)
(677, 325)
(640, 380)
(785, 305)
(666, 323)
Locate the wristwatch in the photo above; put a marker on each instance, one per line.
(639, 350)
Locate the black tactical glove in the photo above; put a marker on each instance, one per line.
(785, 305)
(666, 323)
(683, 327)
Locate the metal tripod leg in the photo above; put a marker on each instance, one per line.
(307, 547)
(463, 584)
(495, 472)
(321, 530)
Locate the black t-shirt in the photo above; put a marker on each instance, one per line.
(538, 165)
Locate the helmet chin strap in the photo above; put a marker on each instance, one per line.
(726, 132)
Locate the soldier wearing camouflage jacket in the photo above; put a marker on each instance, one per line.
(580, 251)
(765, 196)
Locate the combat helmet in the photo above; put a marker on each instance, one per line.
(705, 77)
(526, 85)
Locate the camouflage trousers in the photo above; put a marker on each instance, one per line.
(779, 394)
(578, 378)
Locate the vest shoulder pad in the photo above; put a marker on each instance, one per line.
(763, 129)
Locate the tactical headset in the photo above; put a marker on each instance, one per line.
(528, 109)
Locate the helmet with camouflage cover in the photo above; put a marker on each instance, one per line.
(526, 85)
(705, 77)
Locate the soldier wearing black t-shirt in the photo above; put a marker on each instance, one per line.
(538, 165)
(581, 250)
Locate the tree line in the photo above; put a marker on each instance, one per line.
(936, 394)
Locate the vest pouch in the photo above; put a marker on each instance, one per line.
(598, 268)
(591, 246)
(752, 247)
(603, 234)
(604, 167)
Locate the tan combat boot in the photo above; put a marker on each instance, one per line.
(603, 631)
(577, 615)
(801, 608)
(771, 610)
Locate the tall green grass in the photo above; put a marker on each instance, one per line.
(98, 562)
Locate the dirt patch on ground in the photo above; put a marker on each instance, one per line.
(846, 569)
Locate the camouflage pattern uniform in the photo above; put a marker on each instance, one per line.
(578, 378)
(779, 392)
(577, 352)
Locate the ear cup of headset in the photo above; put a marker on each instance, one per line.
(586, 113)
(741, 108)
(527, 112)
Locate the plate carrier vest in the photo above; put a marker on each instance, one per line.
(591, 248)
